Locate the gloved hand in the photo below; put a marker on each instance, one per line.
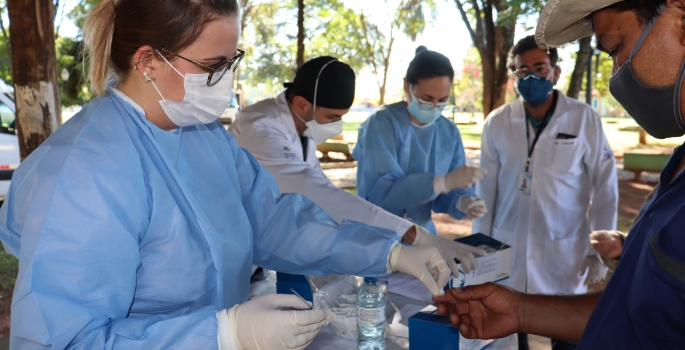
(596, 271)
(259, 324)
(462, 177)
(449, 250)
(607, 243)
(473, 207)
(424, 263)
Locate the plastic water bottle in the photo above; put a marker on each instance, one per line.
(370, 316)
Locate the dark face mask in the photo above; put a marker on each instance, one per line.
(655, 108)
(534, 89)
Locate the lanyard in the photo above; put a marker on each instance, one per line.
(541, 128)
(531, 148)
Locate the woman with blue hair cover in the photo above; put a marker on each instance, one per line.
(137, 222)
(411, 160)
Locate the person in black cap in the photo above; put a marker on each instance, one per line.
(282, 134)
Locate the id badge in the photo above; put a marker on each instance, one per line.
(525, 183)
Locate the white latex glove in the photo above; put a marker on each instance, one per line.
(259, 324)
(607, 243)
(464, 177)
(449, 250)
(473, 207)
(595, 268)
(424, 263)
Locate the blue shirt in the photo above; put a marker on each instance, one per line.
(643, 306)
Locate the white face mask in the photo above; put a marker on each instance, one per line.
(202, 104)
(320, 132)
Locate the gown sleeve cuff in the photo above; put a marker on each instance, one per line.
(439, 185)
(388, 265)
(225, 336)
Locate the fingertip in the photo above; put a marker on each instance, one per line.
(464, 330)
(454, 319)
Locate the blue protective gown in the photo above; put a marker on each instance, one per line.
(130, 237)
(398, 160)
(643, 305)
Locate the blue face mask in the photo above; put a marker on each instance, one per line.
(424, 111)
(534, 89)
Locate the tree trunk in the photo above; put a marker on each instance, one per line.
(582, 59)
(643, 137)
(34, 72)
(386, 66)
(494, 64)
(300, 32)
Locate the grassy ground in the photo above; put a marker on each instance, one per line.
(618, 132)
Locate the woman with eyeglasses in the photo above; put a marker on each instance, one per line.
(411, 160)
(137, 222)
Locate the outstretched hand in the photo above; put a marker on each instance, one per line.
(485, 311)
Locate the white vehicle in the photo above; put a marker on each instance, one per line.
(9, 145)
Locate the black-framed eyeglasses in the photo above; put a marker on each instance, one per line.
(541, 69)
(217, 71)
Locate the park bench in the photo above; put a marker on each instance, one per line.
(334, 145)
(640, 160)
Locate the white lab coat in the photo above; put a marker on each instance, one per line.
(574, 191)
(267, 130)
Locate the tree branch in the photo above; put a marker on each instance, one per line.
(465, 18)
(479, 19)
(370, 55)
(55, 7)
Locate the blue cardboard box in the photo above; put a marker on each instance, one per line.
(285, 281)
(432, 331)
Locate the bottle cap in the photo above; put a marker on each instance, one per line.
(370, 279)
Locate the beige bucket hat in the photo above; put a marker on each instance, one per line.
(563, 21)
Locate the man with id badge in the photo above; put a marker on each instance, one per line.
(551, 180)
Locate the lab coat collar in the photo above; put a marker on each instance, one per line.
(285, 114)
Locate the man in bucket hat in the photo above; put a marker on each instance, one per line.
(643, 306)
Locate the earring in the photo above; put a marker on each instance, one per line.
(146, 77)
(135, 63)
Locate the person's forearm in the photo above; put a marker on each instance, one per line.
(557, 317)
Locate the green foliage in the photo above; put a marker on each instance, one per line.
(79, 13)
(5, 59)
(337, 33)
(331, 28)
(270, 41)
(69, 57)
(509, 11)
(468, 86)
(603, 73)
(9, 268)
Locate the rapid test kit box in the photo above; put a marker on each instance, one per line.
(494, 266)
(429, 330)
